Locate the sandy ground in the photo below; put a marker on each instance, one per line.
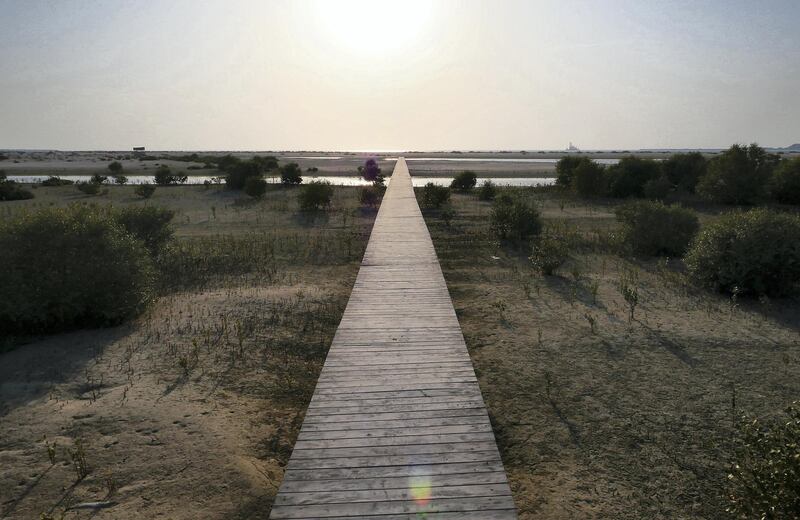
(623, 419)
(190, 411)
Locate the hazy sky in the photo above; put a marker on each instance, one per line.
(360, 75)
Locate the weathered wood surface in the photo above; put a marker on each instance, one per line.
(397, 427)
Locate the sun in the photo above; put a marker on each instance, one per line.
(374, 27)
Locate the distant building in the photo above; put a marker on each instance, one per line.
(138, 151)
(572, 148)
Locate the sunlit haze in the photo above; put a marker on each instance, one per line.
(398, 75)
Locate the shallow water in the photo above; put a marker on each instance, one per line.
(493, 160)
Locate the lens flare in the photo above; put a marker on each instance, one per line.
(421, 490)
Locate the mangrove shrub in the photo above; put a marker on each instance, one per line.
(652, 228)
(754, 252)
(70, 267)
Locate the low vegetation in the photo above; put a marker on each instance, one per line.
(464, 181)
(371, 196)
(784, 186)
(208, 384)
(291, 174)
(315, 195)
(10, 190)
(765, 477)
(652, 228)
(515, 219)
(487, 191)
(756, 252)
(741, 175)
(145, 191)
(72, 267)
(432, 196)
(255, 186)
(165, 177)
(620, 370)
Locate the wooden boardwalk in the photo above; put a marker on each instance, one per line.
(397, 427)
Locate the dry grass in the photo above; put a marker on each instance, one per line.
(598, 415)
(191, 411)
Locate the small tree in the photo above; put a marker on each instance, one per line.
(242, 171)
(120, 179)
(628, 177)
(371, 172)
(464, 181)
(291, 174)
(549, 252)
(315, 195)
(514, 219)
(588, 179)
(115, 168)
(145, 191)
(784, 186)
(434, 196)
(10, 190)
(255, 187)
(565, 167)
(651, 228)
(738, 176)
(753, 252)
(684, 170)
(165, 177)
(98, 179)
(148, 224)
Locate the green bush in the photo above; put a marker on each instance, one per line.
(70, 267)
(371, 195)
(115, 168)
(588, 179)
(434, 196)
(464, 181)
(10, 190)
(120, 179)
(684, 170)
(56, 181)
(88, 188)
(291, 174)
(148, 224)
(565, 167)
(753, 252)
(315, 195)
(514, 219)
(652, 228)
(165, 177)
(658, 188)
(242, 171)
(487, 191)
(145, 191)
(628, 177)
(738, 176)
(98, 179)
(255, 187)
(550, 250)
(784, 186)
(764, 481)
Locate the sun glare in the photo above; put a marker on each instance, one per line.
(374, 27)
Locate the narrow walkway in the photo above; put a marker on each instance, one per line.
(397, 427)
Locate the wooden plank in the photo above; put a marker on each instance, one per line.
(397, 427)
